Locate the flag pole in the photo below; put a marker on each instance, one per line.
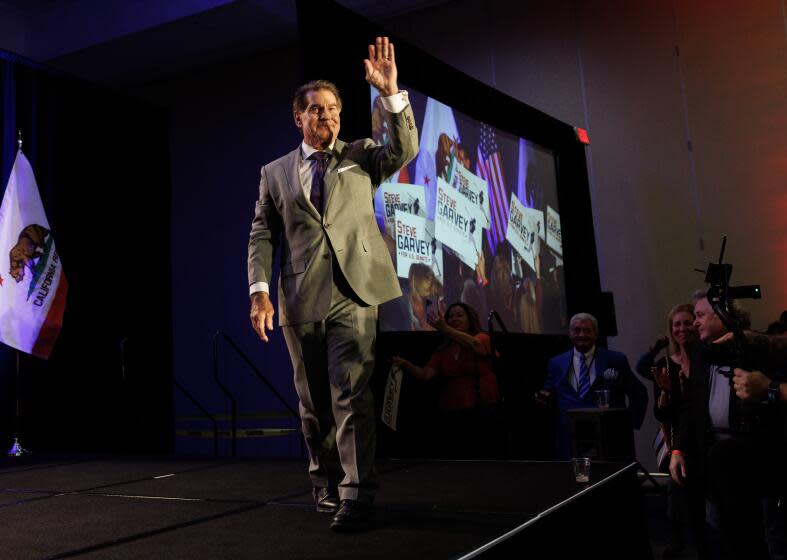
(16, 449)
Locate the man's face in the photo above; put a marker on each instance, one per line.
(319, 122)
(708, 324)
(583, 335)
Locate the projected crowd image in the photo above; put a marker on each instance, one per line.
(473, 219)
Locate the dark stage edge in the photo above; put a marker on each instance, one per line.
(98, 507)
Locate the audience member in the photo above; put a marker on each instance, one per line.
(575, 376)
(468, 391)
(669, 375)
(726, 450)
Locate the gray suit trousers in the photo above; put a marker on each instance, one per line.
(333, 361)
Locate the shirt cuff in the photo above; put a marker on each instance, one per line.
(258, 287)
(395, 103)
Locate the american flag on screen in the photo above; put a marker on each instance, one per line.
(490, 169)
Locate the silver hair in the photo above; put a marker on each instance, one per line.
(584, 317)
(702, 293)
(739, 314)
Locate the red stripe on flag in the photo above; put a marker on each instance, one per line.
(54, 320)
(491, 236)
(500, 186)
(498, 196)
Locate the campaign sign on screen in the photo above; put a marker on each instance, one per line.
(554, 236)
(455, 224)
(476, 190)
(415, 243)
(401, 197)
(524, 225)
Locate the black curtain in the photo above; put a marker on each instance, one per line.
(102, 166)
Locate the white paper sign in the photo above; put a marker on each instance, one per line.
(554, 235)
(524, 225)
(456, 224)
(416, 243)
(476, 190)
(401, 197)
(393, 389)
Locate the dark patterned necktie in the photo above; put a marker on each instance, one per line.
(319, 166)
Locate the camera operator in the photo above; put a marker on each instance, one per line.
(726, 449)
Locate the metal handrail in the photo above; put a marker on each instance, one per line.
(210, 417)
(233, 402)
(183, 390)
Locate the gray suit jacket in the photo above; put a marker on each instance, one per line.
(285, 219)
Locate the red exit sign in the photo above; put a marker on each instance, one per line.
(582, 135)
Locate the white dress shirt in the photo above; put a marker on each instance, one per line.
(718, 398)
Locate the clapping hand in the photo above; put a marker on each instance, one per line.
(381, 67)
(661, 375)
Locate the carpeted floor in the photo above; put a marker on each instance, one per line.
(98, 507)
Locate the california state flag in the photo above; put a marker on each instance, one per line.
(32, 284)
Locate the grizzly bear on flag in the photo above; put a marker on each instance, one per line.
(29, 247)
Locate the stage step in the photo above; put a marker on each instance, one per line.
(259, 415)
(240, 433)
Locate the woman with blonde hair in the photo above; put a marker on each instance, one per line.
(669, 374)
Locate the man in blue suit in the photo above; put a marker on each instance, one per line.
(575, 376)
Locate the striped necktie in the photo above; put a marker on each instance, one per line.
(584, 378)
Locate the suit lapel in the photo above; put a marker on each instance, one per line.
(292, 169)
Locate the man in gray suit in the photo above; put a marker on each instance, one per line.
(316, 208)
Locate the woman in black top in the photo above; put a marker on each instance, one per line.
(669, 373)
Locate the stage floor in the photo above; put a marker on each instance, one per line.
(99, 507)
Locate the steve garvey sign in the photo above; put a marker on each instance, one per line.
(457, 223)
(525, 230)
(402, 198)
(475, 190)
(33, 295)
(393, 390)
(416, 243)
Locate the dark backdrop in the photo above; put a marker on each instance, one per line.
(101, 163)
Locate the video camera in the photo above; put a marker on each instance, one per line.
(721, 294)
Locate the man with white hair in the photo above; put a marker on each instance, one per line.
(574, 378)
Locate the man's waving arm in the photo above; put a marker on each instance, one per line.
(402, 146)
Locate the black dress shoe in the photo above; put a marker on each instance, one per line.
(352, 516)
(326, 500)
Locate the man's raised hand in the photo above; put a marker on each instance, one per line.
(381, 67)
